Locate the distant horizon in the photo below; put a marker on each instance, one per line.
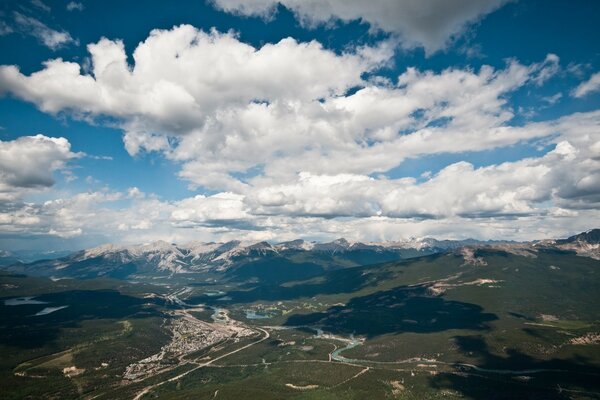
(276, 242)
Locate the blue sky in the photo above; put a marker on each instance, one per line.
(281, 120)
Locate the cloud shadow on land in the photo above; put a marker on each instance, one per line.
(21, 327)
(286, 284)
(280, 279)
(518, 375)
(398, 310)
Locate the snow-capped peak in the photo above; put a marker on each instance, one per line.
(100, 251)
(417, 243)
(298, 244)
(197, 248)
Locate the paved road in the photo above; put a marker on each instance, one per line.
(148, 389)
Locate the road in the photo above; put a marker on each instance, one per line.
(148, 389)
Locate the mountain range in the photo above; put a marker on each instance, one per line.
(453, 319)
(167, 259)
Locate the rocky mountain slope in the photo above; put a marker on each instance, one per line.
(166, 259)
(586, 244)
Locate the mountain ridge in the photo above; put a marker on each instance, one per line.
(163, 258)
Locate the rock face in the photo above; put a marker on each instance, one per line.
(586, 244)
(163, 259)
(590, 237)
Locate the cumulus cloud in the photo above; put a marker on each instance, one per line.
(182, 78)
(546, 196)
(589, 86)
(222, 209)
(30, 161)
(62, 217)
(135, 193)
(418, 23)
(296, 140)
(566, 177)
(131, 215)
(95, 214)
(528, 198)
(222, 107)
(371, 130)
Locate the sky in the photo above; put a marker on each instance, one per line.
(128, 122)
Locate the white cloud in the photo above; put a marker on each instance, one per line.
(221, 209)
(552, 100)
(47, 36)
(419, 23)
(371, 130)
(547, 196)
(135, 193)
(41, 5)
(5, 29)
(29, 163)
(222, 107)
(291, 151)
(75, 6)
(589, 86)
(567, 177)
(142, 220)
(78, 214)
(182, 77)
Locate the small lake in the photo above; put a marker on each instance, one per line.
(19, 301)
(217, 293)
(49, 310)
(29, 300)
(251, 314)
